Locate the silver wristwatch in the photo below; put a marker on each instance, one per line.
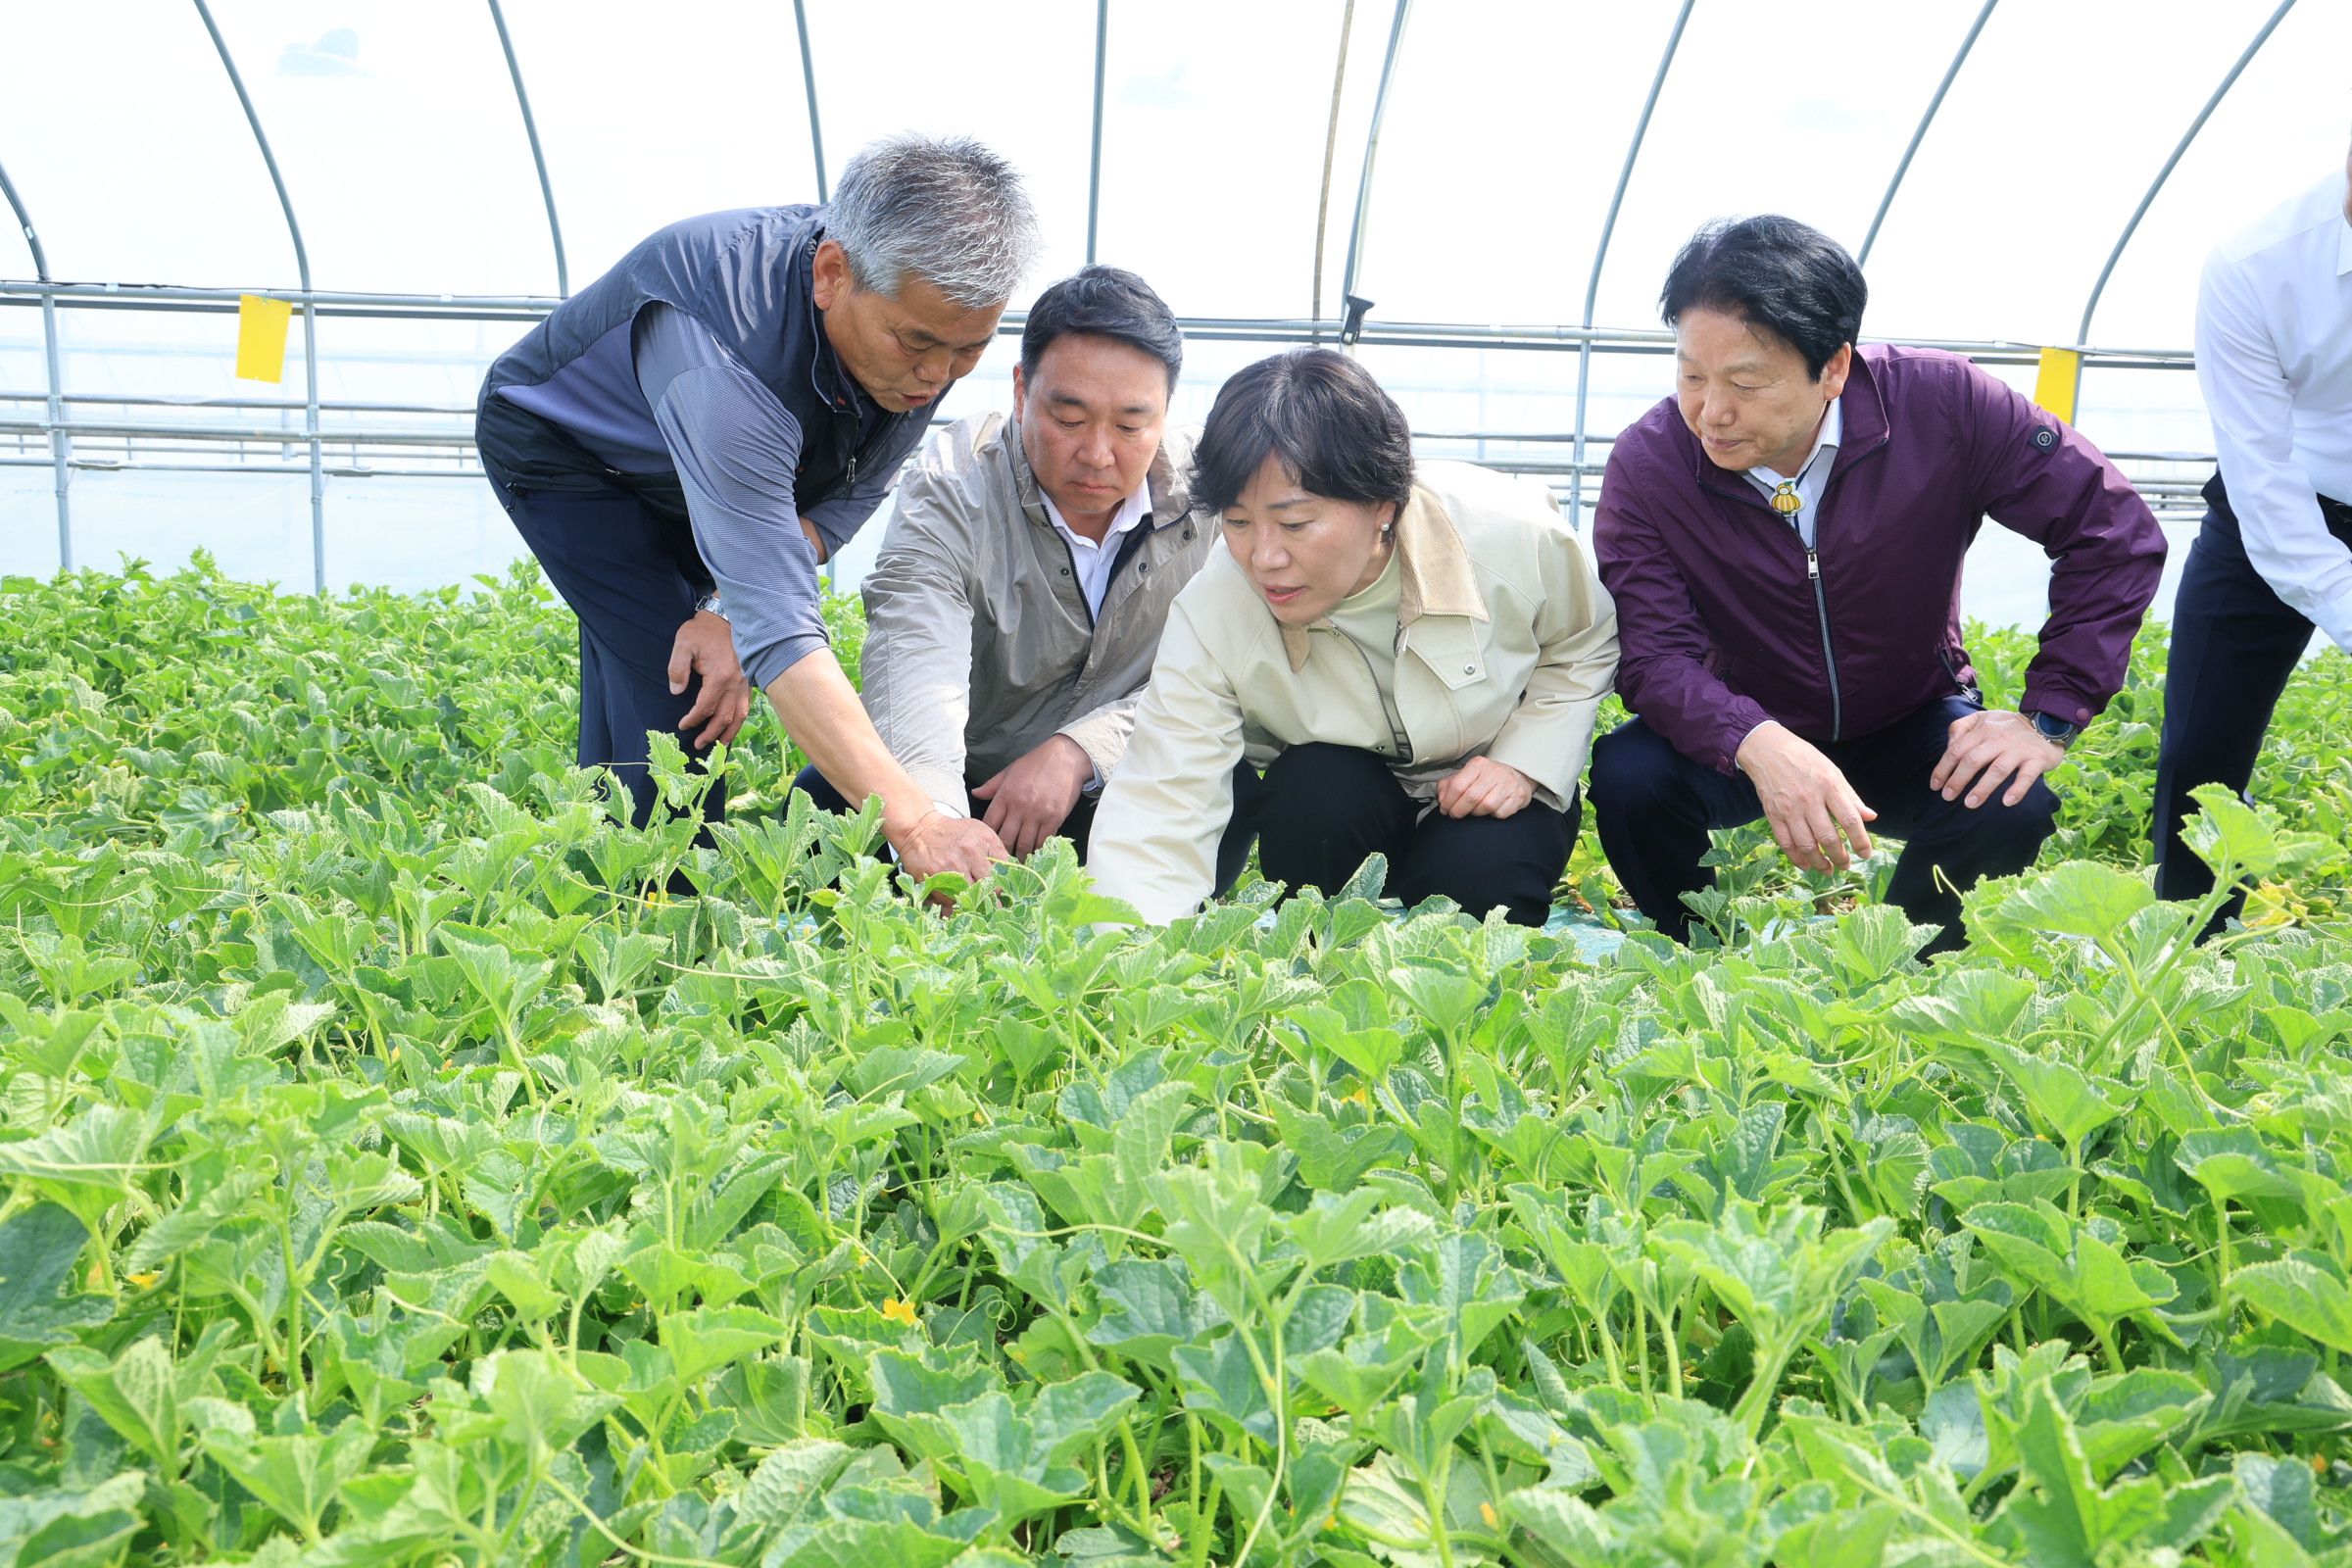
(711, 602)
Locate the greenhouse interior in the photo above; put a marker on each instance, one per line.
(1729, 1038)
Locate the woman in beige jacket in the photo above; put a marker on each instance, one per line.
(1413, 658)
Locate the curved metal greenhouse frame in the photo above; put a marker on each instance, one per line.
(364, 449)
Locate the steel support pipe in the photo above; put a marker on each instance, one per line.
(2263, 36)
(61, 445)
(1600, 255)
(530, 128)
(310, 321)
(1921, 135)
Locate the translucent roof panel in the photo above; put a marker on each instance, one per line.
(128, 148)
(645, 123)
(1213, 154)
(2055, 129)
(1507, 126)
(395, 125)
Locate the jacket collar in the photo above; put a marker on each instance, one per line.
(1435, 567)
(1861, 410)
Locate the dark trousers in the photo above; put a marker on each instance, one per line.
(2235, 644)
(1321, 810)
(1233, 851)
(1656, 805)
(631, 576)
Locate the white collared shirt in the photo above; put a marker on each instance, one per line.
(1094, 560)
(2275, 361)
(1811, 474)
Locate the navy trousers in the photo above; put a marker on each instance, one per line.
(2235, 644)
(1233, 851)
(1656, 805)
(632, 576)
(1321, 810)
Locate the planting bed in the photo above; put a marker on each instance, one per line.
(391, 1178)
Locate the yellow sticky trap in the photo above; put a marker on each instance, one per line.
(2061, 377)
(262, 338)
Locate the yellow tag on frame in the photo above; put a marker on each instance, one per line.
(2061, 377)
(262, 338)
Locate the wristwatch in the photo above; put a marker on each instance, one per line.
(711, 602)
(2057, 731)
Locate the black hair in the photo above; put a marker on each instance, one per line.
(1318, 411)
(1103, 302)
(1778, 276)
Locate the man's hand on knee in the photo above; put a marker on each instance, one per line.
(1483, 787)
(1989, 747)
(706, 647)
(1028, 802)
(1814, 812)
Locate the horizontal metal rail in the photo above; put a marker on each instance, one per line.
(329, 467)
(166, 400)
(1272, 330)
(269, 434)
(127, 432)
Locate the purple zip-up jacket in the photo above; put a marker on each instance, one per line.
(1724, 623)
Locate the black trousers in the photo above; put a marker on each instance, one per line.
(631, 575)
(2235, 644)
(1656, 805)
(1321, 810)
(1233, 851)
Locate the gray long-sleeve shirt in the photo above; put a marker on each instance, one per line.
(764, 416)
(736, 447)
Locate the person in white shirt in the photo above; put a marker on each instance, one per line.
(1016, 606)
(2274, 559)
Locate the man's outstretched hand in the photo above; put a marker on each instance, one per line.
(1988, 746)
(960, 845)
(1814, 812)
(706, 647)
(1028, 802)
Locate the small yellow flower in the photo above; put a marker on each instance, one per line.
(898, 1311)
(1486, 1511)
(143, 1281)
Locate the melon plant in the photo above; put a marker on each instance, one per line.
(396, 1171)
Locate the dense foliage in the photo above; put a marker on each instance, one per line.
(395, 1173)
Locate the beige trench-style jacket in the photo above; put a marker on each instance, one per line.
(1506, 642)
(979, 644)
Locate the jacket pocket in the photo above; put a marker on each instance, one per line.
(1449, 647)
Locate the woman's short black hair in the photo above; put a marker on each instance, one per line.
(1103, 302)
(1318, 411)
(1778, 276)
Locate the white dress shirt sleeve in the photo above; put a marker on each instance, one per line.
(2242, 375)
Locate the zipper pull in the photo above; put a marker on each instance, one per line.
(852, 471)
(1812, 564)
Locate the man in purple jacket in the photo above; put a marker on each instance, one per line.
(1783, 538)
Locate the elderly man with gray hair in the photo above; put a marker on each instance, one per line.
(686, 440)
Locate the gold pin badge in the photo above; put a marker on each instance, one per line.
(1784, 500)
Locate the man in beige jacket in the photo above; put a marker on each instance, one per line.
(1016, 606)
